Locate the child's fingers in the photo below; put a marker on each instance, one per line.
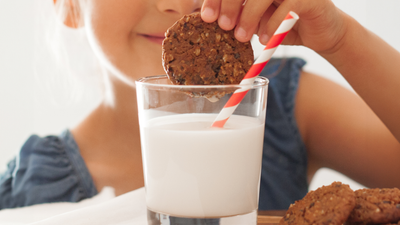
(293, 37)
(210, 10)
(229, 13)
(273, 19)
(250, 18)
(262, 33)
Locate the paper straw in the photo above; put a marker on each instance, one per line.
(283, 29)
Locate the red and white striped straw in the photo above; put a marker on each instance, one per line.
(283, 29)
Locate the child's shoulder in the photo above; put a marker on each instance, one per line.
(47, 169)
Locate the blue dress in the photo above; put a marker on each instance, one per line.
(51, 169)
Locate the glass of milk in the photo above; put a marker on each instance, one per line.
(196, 174)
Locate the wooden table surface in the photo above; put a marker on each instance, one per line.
(269, 217)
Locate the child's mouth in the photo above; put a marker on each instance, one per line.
(154, 38)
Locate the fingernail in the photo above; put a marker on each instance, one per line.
(208, 12)
(241, 33)
(264, 39)
(224, 21)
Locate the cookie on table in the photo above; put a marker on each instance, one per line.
(398, 223)
(378, 206)
(328, 205)
(365, 223)
(200, 53)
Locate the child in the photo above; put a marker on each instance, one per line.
(311, 122)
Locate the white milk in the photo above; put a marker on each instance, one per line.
(192, 170)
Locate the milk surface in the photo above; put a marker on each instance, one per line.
(193, 170)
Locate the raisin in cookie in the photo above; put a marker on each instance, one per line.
(200, 53)
(376, 206)
(327, 205)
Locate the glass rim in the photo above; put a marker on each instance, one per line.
(259, 82)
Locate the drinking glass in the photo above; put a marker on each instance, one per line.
(195, 173)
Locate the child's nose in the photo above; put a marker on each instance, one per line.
(180, 7)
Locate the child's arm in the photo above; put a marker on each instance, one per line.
(372, 67)
(368, 63)
(342, 133)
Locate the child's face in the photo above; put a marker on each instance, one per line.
(127, 34)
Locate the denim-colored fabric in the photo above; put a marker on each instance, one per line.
(48, 169)
(284, 166)
(51, 169)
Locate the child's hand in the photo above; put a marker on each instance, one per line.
(321, 25)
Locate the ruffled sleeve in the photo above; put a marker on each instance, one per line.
(48, 169)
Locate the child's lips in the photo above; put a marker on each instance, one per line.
(156, 38)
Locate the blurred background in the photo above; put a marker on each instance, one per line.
(25, 108)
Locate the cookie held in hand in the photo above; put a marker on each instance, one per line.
(200, 53)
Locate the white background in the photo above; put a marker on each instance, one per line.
(25, 110)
